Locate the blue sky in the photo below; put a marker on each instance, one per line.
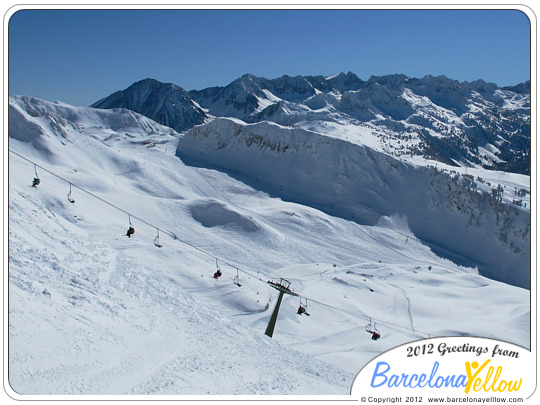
(80, 56)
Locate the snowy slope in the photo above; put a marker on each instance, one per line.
(95, 312)
(86, 317)
(457, 215)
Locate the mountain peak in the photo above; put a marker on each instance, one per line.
(248, 76)
(156, 84)
(165, 103)
(344, 82)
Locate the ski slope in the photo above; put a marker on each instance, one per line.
(92, 311)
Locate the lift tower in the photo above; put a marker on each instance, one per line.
(283, 288)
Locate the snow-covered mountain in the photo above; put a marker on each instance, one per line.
(92, 311)
(460, 216)
(165, 103)
(473, 124)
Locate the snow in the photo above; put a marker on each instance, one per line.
(433, 117)
(89, 318)
(430, 110)
(332, 76)
(92, 311)
(453, 215)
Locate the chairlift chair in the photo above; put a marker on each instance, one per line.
(71, 200)
(218, 272)
(156, 240)
(302, 309)
(130, 230)
(371, 328)
(236, 279)
(36, 180)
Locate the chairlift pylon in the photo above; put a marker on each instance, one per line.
(283, 288)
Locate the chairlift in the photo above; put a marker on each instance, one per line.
(156, 240)
(36, 180)
(130, 230)
(218, 272)
(71, 200)
(302, 309)
(236, 279)
(371, 328)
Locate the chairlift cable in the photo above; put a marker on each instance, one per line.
(390, 325)
(172, 235)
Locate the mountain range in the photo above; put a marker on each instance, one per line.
(475, 124)
(360, 150)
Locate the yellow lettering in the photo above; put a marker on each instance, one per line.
(501, 387)
(488, 376)
(497, 374)
(516, 386)
(471, 376)
(476, 383)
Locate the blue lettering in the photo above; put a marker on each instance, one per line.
(413, 377)
(380, 374)
(393, 381)
(461, 380)
(433, 372)
(405, 383)
(381, 377)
